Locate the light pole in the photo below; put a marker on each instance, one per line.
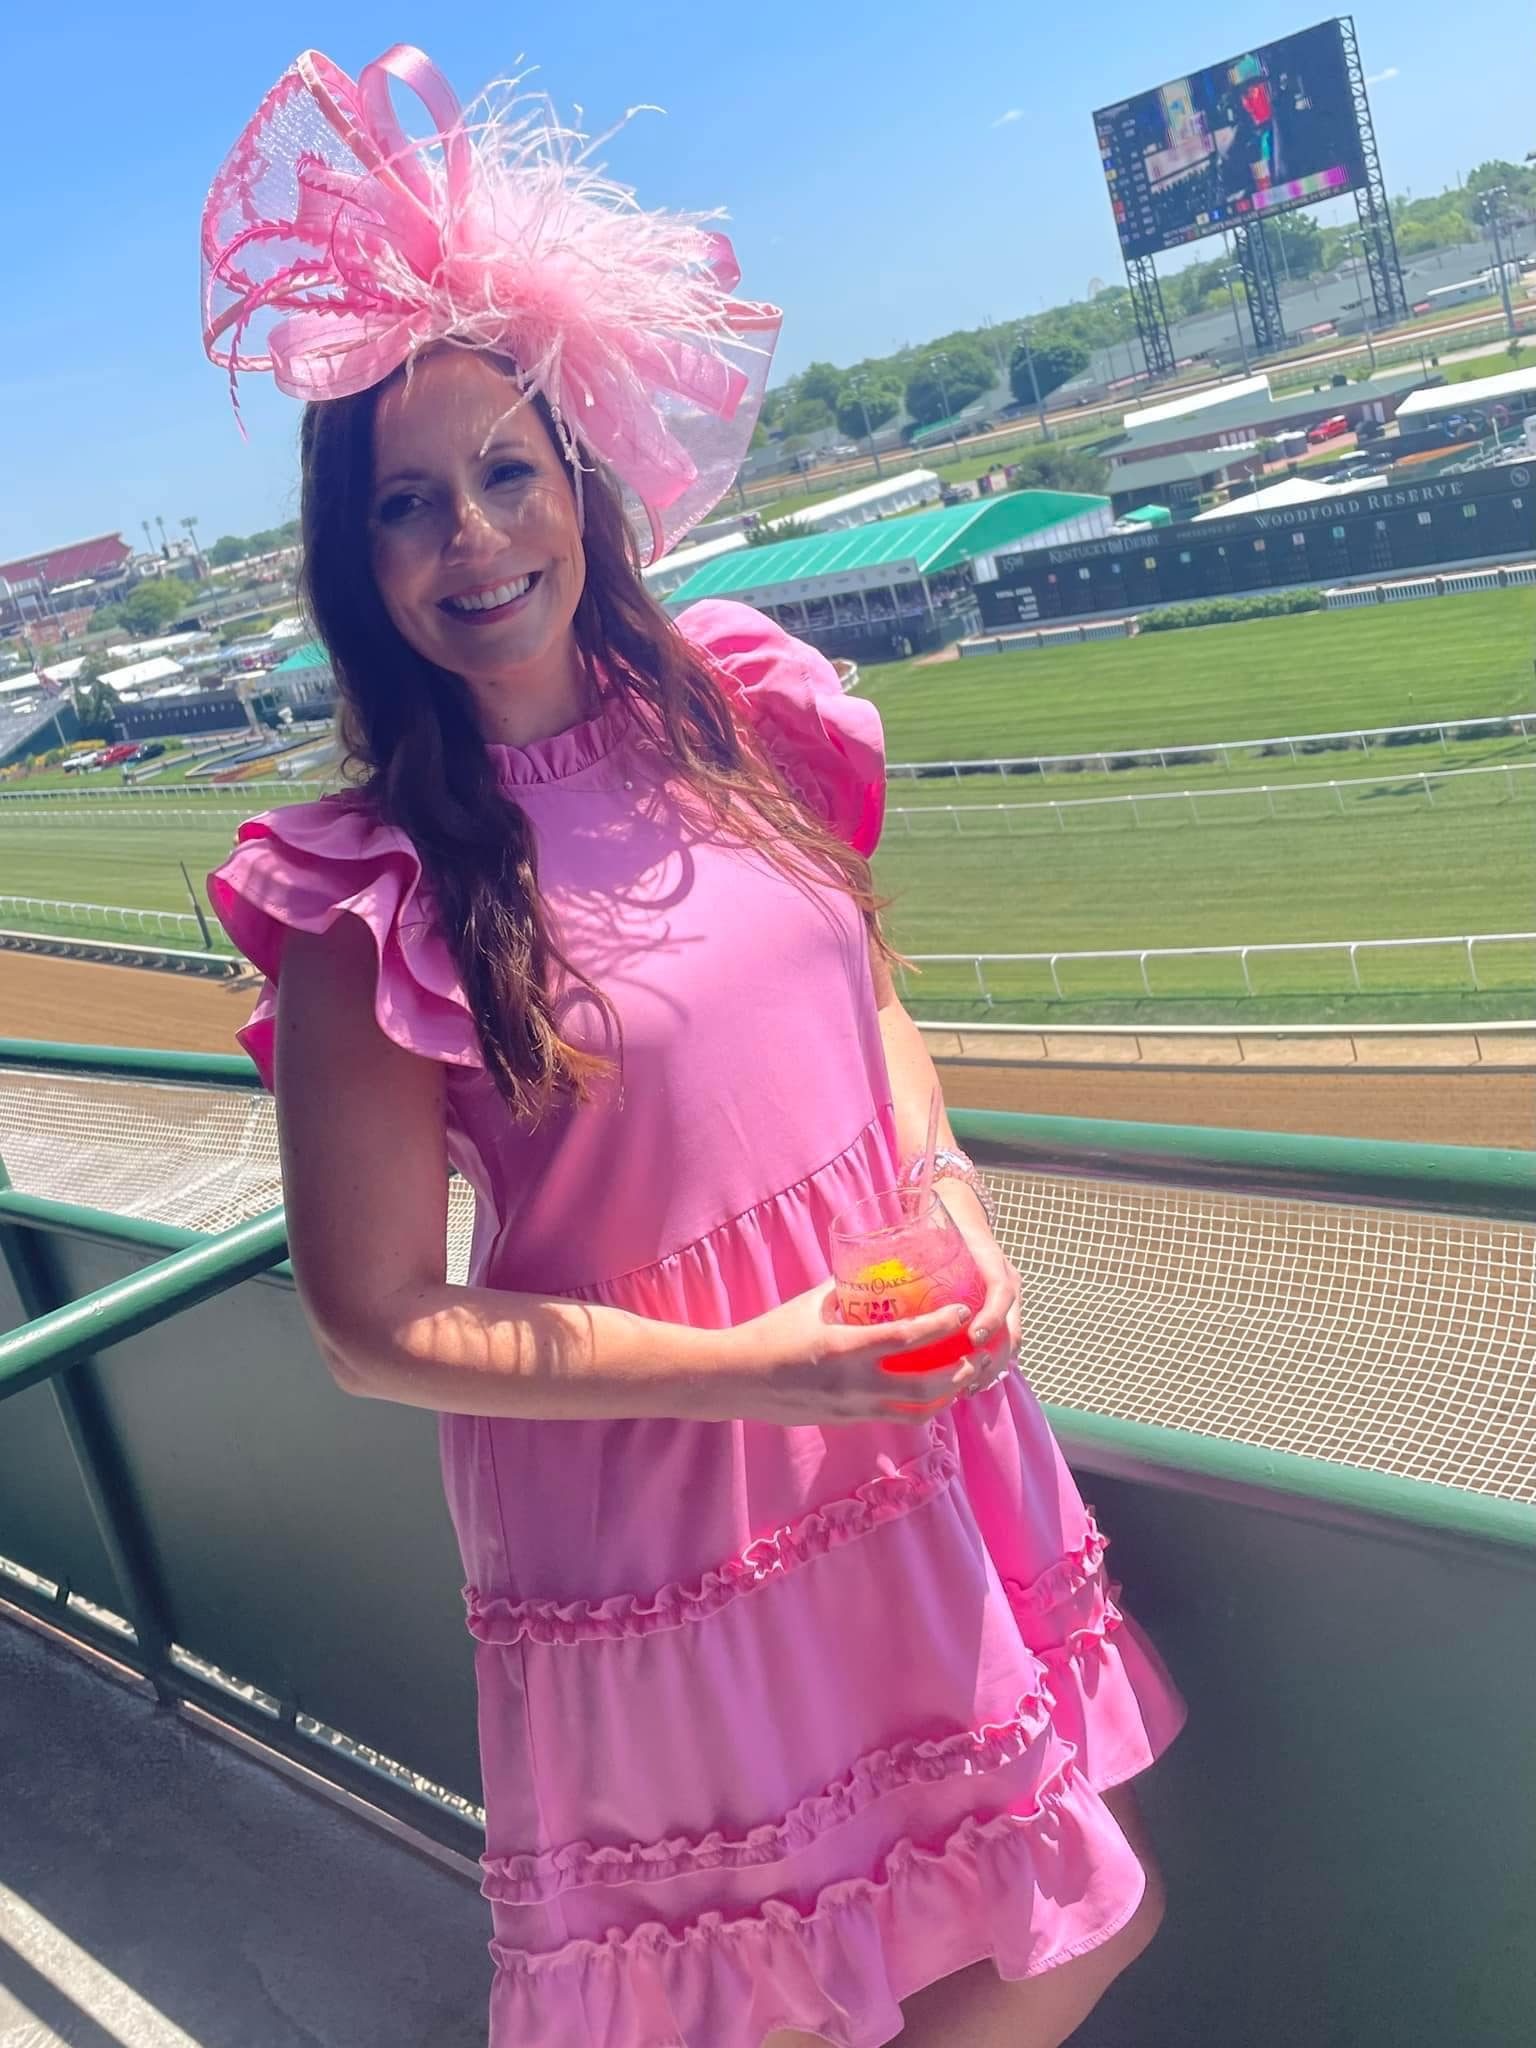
(869, 432)
(1034, 381)
(165, 546)
(937, 359)
(1227, 278)
(190, 523)
(1355, 243)
(1493, 213)
(1120, 310)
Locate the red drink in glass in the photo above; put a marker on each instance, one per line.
(896, 1254)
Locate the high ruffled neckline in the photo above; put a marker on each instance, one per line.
(567, 753)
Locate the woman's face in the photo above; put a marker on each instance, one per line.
(475, 545)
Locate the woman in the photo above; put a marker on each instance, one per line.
(806, 1714)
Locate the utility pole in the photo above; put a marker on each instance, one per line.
(165, 546)
(1355, 243)
(1227, 277)
(937, 359)
(869, 432)
(1493, 213)
(190, 523)
(1034, 381)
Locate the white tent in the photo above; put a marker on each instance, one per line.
(138, 673)
(1477, 391)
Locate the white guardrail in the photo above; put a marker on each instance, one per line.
(984, 814)
(1467, 943)
(1521, 722)
(103, 917)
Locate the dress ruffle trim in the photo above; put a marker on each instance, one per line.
(827, 746)
(496, 1620)
(963, 1850)
(301, 867)
(1060, 1581)
(529, 1879)
(839, 1965)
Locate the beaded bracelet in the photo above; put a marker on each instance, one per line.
(952, 1165)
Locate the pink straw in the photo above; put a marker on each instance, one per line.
(925, 1178)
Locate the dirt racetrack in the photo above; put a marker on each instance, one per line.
(1471, 1105)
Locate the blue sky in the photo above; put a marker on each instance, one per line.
(889, 171)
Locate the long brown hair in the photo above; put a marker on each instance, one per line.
(418, 760)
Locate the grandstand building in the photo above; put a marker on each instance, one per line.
(898, 586)
(47, 589)
(1366, 531)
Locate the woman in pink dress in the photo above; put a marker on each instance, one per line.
(806, 1711)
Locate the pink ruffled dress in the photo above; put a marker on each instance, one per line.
(777, 1725)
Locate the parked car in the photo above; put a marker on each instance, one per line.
(1327, 430)
(79, 762)
(151, 750)
(119, 752)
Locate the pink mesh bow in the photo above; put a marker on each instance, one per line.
(335, 247)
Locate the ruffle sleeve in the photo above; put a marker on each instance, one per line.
(828, 746)
(301, 867)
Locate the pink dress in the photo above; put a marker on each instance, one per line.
(777, 1725)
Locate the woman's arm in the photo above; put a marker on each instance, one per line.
(365, 1175)
(913, 1078)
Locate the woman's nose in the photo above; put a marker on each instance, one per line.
(470, 531)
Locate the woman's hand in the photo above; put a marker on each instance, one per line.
(997, 1326)
(800, 1364)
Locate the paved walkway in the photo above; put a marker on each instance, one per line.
(158, 1889)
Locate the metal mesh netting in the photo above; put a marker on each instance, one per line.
(203, 1158)
(1385, 1339)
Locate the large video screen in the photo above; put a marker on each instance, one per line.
(1272, 129)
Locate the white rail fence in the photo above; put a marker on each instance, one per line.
(127, 798)
(215, 817)
(49, 914)
(1521, 724)
(992, 820)
(1466, 944)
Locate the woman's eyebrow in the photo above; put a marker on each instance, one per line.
(506, 446)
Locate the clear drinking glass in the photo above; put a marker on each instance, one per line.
(898, 1253)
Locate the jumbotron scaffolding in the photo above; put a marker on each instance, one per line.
(1253, 245)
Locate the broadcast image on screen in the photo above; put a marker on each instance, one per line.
(1271, 129)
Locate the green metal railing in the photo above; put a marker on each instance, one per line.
(61, 1344)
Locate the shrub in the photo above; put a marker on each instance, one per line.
(1225, 611)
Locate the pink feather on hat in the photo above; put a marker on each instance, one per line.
(335, 248)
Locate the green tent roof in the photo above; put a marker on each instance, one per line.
(311, 655)
(1148, 515)
(927, 541)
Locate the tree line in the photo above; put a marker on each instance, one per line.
(939, 378)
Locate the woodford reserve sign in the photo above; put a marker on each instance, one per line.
(1395, 529)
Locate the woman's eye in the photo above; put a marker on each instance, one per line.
(509, 472)
(399, 505)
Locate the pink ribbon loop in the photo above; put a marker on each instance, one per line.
(356, 246)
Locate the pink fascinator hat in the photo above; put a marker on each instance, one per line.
(335, 248)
